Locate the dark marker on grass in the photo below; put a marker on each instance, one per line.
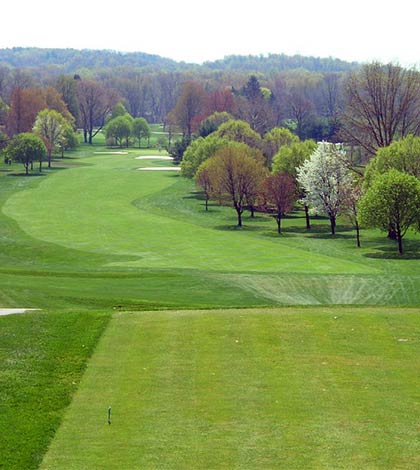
(109, 415)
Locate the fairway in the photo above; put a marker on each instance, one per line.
(99, 233)
(295, 388)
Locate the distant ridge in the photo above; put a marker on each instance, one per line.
(72, 60)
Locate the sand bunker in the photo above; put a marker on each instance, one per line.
(154, 157)
(11, 311)
(160, 168)
(111, 153)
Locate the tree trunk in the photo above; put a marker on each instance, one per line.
(85, 136)
(357, 234)
(239, 212)
(278, 220)
(399, 239)
(332, 222)
(27, 168)
(40, 166)
(252, 209)
(49, 159)
(308, 222)
(207, 203)
(392, 233)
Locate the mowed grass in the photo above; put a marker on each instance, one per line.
(301, 388)
(99, 234)
(42, 358)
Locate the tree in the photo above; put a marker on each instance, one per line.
(141, 129)
(67, 87)
(402, 155)
(254, 107)
(69, 139)
(189, 107)
(393, 200)
(26, 148)
(383, 104)
(213, 122)
(49, 125)
(239, 131)
(198, 151)
(120, 129)
(25, 104)
(280, 193)
(203, 180)
(288, 159)
(325, 178)
(95, 102)
(276, 138)
(235, 174)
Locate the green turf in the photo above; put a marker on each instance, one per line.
(42, 358)
(301, 388)
(100, 234)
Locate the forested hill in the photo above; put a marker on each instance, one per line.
(280, 62)
(72, 60)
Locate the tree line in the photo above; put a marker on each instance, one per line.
(234, 165)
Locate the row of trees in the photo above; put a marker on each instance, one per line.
(366, 107)
(122, 127)
(232, 166)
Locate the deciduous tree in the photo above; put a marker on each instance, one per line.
(288, 159)
(95, 102)
(141, 129)
(383, 104)
(203, 180)
(325, 177)
(26, 148)
(189, 108)
(198, 151)
(393, 200)
(235, 174)
(120, 128)
(49, 126)
(280, 194)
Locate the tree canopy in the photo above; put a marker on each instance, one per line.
(26, 148)
(393, 200)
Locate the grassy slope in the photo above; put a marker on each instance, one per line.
(142, 239)
(42, 358)
(303, 389)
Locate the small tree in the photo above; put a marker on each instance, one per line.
(235, 173)
(280, 193)
(49, 125)
(393, 200)
(325, 177)
(26, 148)
(141, 129)
(203, 180)
(120, 129)
(288, 159)
(198, 151)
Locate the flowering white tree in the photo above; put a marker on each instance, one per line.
(325, 176)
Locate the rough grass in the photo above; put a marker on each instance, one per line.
(297, 388)
(42, 358)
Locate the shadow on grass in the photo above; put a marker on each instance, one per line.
(30, 175)
(411, 250)
(233, 228)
